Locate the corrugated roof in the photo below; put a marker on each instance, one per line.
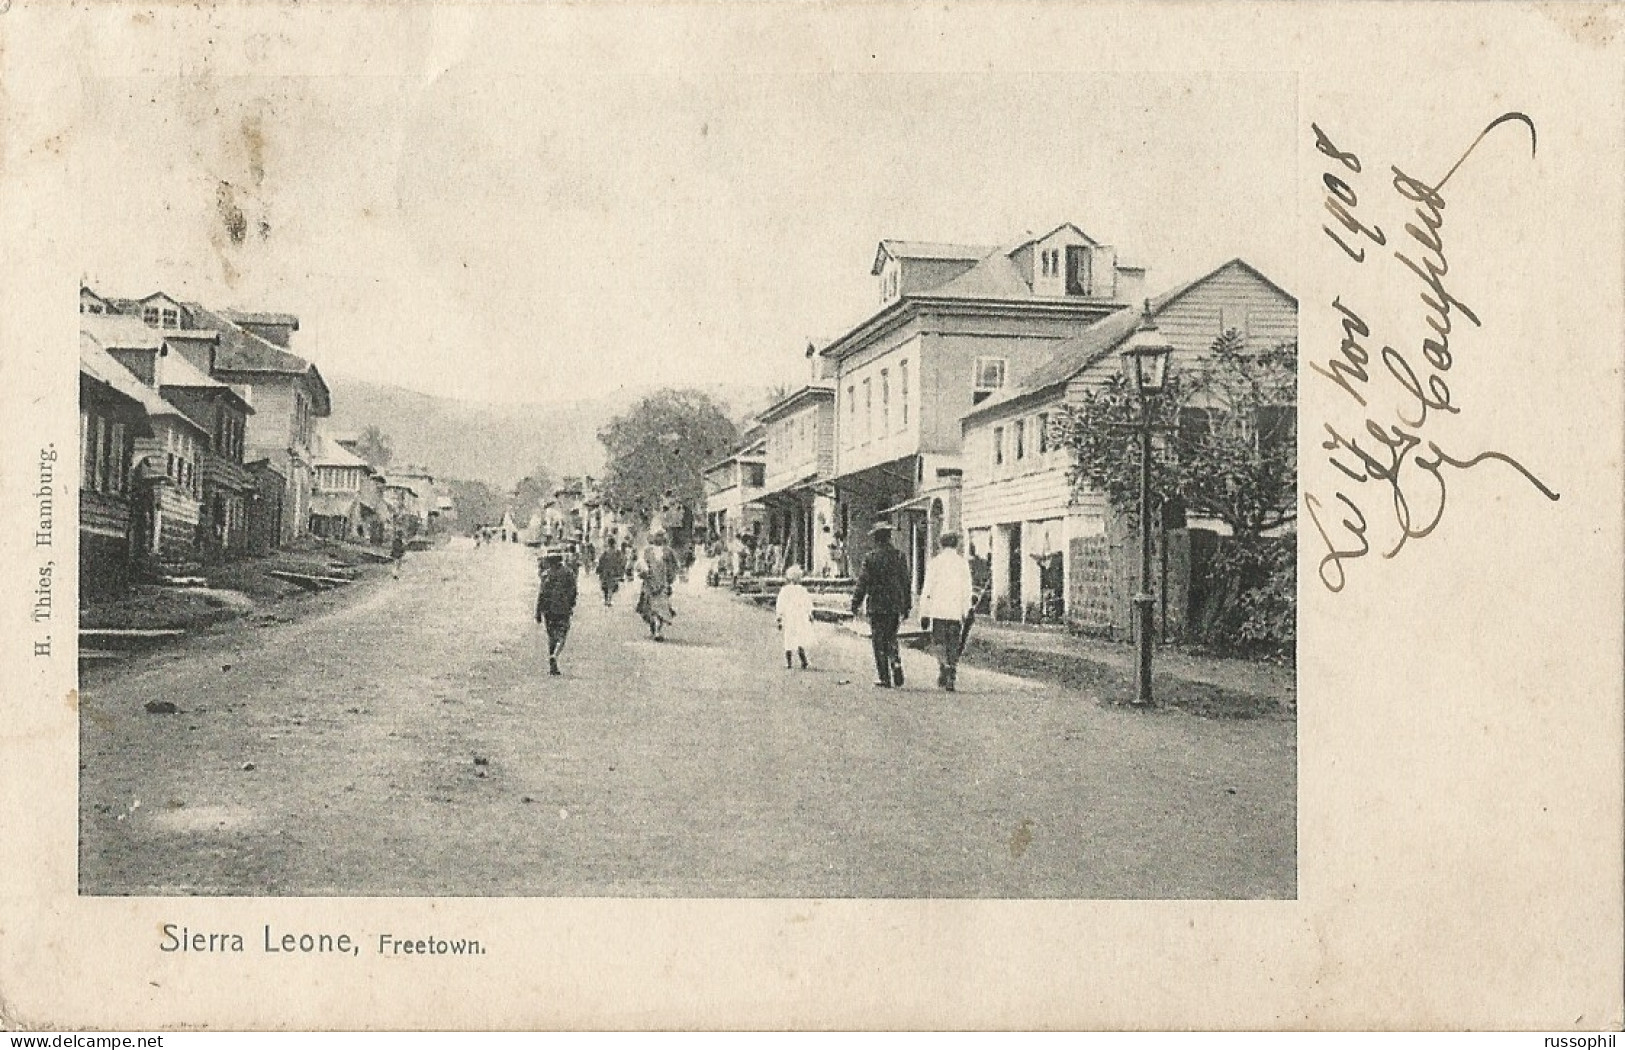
(929, 250)
(98, 364)
(1074, 355)
(121, 332)
(175, 370)
(243, 351)
(332, 454)
(996, 277)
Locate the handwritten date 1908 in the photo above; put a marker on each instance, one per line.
(1409, 468)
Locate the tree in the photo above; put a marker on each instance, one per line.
(374, 447)
(1225, 448)
(477, 503)
(534, 491)
(657, 450)
(1225, 443)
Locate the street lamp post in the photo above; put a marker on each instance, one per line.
(1145, 363)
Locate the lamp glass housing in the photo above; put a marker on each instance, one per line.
(1145, 363)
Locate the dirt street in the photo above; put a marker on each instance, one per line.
(410, 742)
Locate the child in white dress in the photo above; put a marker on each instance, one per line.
(794, 608)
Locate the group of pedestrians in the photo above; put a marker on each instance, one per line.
(883, 593)
(557, 593)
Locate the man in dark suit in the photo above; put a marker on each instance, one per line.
(883, 581)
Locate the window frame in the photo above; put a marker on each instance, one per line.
(998, 447)
(1085, 271)
(902, 391)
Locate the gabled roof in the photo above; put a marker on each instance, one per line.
(812, 392)
(176, 370)
(98, 364)
(1064, 226)
(332, 454)
(121, 332)
(243, 351)
(895, 249)
(1075, 355)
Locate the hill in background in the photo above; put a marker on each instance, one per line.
(496, 443)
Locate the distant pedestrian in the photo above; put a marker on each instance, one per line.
(555, 601)
(658, 568)
(611, 568)
(884, 585)
(945, 605)
(794, 608)
(397, 552)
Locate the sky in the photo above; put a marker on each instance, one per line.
(489, 230)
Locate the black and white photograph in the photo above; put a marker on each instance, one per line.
(1096, 516)
(512, 515)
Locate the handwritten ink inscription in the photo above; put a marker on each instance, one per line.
(1389, 467)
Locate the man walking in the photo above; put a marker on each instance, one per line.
(945, 602)
(611, 568)
(555, 601)
(883, 582)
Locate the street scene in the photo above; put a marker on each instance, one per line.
(443, 534)
(410, 741)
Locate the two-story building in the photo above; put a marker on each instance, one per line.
(163, 487)
(798, 463)
(1049, 549)
(347, 498)
(734, 514)
(954, 323)
(115, 410)
(229, 489)
(288, 394)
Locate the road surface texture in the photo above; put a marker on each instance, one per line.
(410, 742)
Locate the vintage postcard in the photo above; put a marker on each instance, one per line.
(812, 516)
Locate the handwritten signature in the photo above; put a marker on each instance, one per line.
(1396, 456)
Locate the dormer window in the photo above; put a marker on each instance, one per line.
(171, 318)
(1078, 277)
(988, 377)
(149, 315)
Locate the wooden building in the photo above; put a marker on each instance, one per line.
(798, 463)
(733, 513)
(164, 485)
(1051, 551)
(288, 394)
(114, 412)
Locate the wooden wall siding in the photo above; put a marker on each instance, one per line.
(1192, 323)
(1029, 489)
(103, 514)
(181, 514)
(816, 455)
(223, 473)
(270, 428)
(1028, 496)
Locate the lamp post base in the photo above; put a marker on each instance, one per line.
(1144, 607)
